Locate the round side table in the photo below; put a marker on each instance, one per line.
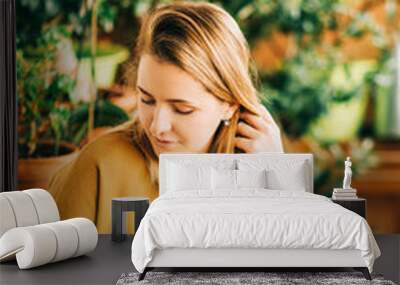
(119, 207)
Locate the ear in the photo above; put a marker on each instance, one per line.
(229, 110)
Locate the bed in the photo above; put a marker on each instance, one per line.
(247, 210)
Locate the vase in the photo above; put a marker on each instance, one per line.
(343, 120)
(37, 172)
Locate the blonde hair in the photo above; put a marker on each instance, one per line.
(205, 41)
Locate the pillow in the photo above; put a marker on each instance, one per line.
(181, 177)
(228, 179)
(281, 174)
(293, 179)
(251, 178)
(224, 179)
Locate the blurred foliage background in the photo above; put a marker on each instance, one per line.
(327, 71)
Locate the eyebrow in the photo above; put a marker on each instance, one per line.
(169, 100)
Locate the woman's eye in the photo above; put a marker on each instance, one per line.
(184, 111)
(148, 101)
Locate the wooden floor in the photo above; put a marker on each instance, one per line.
(111, 259)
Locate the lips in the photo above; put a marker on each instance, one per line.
(163, 142)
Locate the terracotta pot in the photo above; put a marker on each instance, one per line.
(36, 172)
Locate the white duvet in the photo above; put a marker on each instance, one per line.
(253, 218)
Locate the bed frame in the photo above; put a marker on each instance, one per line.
(250, 258)
(246, 259)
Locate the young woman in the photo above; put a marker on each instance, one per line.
(195, 94)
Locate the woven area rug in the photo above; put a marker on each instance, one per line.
(229, 278)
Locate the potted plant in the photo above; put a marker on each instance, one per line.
(43, 112)
(52, 123)
(76, 16)
(107, 58)
(93, 10)
(347, 108)
(99, 57)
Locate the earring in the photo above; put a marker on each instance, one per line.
(226, 122)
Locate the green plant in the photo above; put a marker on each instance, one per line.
(73, 14)
(46, 111)
(43, 95)
(105, 114)
(300, 92)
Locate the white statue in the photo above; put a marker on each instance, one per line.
(347, 174)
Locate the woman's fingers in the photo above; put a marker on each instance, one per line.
(258, 133)
(247, 145)
(254, 121)
(246, 130)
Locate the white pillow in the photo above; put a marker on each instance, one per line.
(223, 179)
(285, 174)
(228, 179)
(293, 180)
(181, 177)
(251, 178)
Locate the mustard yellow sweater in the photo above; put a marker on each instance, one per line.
(109, 167)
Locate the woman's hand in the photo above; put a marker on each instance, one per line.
(258, 133)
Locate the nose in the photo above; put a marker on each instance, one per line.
(161, 122)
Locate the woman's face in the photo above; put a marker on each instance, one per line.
(177, 113)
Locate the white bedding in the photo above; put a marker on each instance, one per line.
(251, 218)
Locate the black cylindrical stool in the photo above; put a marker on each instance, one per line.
(119, 207)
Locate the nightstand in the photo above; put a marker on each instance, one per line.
(120, 206)
(358, 205)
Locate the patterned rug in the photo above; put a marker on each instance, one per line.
(230, 278)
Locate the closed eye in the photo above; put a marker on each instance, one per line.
(178, 107)
(148, 101)
(182, 111)
(146, 98)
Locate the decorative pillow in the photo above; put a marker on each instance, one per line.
(223, 179)
(251, 178)
(181, 177)
(293, 180)
(281, 174)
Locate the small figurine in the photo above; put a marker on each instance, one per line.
(347, 174)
